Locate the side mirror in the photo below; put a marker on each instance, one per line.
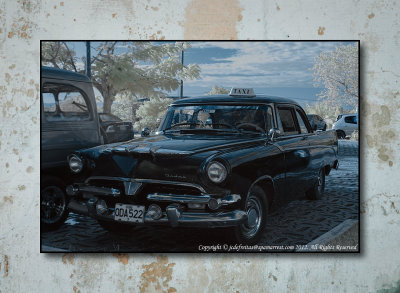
(274, 133)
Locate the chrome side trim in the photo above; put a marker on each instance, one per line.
(99, 190)
(222, 219)
(107, 178)
(178, 198)
(163, 152)
(213, 203)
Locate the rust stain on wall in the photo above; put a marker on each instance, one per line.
(157, 275)
(122, 258)
(386, 202)
(6, 264)
(22, 28)
(68, 258)
(321, 30)
(381, 136)
(212, 19)
(8, 199)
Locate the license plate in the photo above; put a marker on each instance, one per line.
(129, 213)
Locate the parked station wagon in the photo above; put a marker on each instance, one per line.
(218, 161)
(69, 122)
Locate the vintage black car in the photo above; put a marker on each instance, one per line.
(218, 161)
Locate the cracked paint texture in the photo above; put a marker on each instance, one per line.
(24, 22)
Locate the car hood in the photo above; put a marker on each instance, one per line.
(162, 157)
(173, 145)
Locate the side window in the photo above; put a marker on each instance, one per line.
(49, 103)
(287, 121)
(350, 119)
(63, 102)
(72, 102)
(302, 123)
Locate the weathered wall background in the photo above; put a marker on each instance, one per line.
(23, 23)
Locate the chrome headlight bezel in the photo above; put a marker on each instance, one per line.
(75, 163)
(216, 172)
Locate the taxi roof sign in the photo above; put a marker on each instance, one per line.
(247, 92)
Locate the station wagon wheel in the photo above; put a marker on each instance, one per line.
(53, 204)
(340, 134)
(256, 206)
(318, 189)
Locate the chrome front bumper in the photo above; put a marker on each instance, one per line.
(172, 216)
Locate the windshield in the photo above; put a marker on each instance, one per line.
(244, 118)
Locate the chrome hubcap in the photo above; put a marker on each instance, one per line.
(254, 216)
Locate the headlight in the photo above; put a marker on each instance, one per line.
(75, 163)
(216, 172)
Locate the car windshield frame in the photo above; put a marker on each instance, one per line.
(217, 122)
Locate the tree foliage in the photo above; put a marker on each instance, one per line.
(150, 112)
(217, 90)
(337, 72)
(143, 69)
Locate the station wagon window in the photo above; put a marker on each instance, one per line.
(49, 103)
(287, 121)
(350, 119)
(302, 123)
(63, 102)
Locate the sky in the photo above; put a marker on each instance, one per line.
(271, 68)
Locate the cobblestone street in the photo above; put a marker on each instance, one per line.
(295, 224)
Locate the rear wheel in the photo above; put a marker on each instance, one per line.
(256, 206)
(340, 134)
(317, 190)
(53, 203)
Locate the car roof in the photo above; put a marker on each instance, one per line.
(227, 99)
(56, 73)
(348, 114)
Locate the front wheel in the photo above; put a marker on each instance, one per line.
(256, 206)
(53, 203)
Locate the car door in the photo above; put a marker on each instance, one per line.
(293, 141)
(69, 121)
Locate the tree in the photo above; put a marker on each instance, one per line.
(150, 112)
(337, 72)
(217, 90)
(143, 69)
